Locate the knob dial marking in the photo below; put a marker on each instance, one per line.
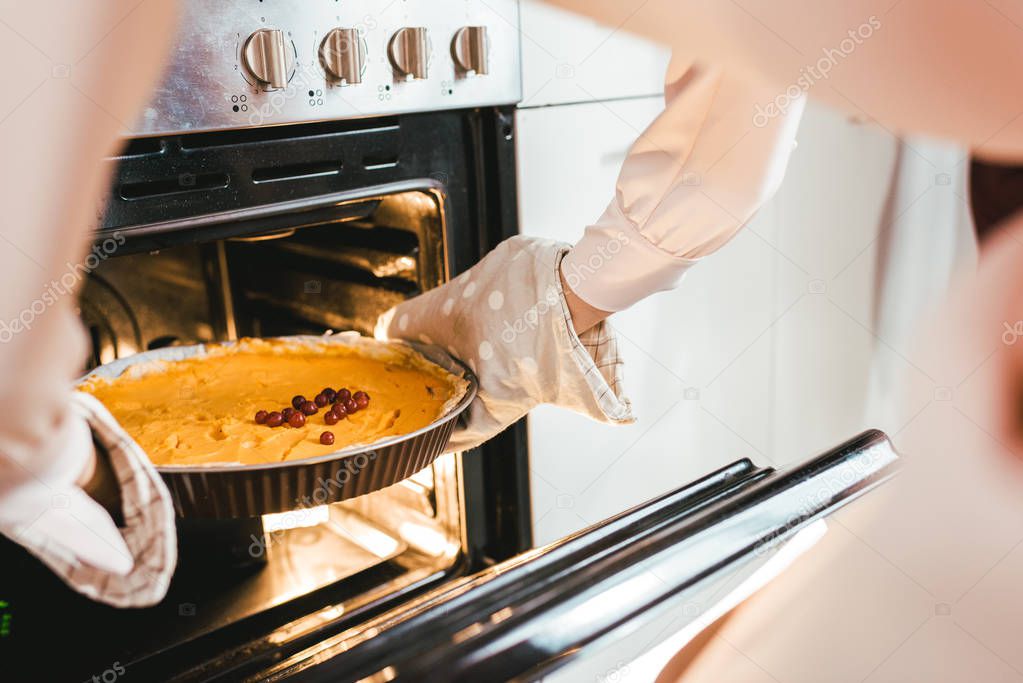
(469, 49)
(266, 57)
(343, 55)
(409, 52)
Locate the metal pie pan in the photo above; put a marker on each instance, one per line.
(237, 490)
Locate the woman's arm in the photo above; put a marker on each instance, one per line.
(583, 315)
(694, 177)
(54, 139)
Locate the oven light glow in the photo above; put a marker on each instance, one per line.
(368, 537)
(294, 519)
(425, 539)
(111, 352)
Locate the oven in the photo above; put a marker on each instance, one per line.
(304, 167)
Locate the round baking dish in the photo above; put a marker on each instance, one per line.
(237, 490)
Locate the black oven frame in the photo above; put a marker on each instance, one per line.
(466, 157)
(165, 191)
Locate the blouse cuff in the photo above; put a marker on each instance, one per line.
(614, 266)
(596, 363)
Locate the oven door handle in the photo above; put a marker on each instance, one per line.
(525, 617)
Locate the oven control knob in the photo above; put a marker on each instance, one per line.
(343, 55)
(267, 58)
(469, 49)
(409, 51)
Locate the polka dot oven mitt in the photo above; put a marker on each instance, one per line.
(507, 319)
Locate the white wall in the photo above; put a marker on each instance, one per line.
(766, 349)
(763, 352)
(568, 58)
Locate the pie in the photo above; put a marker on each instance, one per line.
(202, 410)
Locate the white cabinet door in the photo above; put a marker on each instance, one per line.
(830, 215)
(570, 58)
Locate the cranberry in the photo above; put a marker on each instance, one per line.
(327, 438)
(287, 413)
(309, 408)
(296, 420)
(343, 395)
(297, 401)
(339, 410)
(260, 417)
(330, 417)
(330, 394)
(361, 399)
(321, 400)
(274, 419)
(351, 406)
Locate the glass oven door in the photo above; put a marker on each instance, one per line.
(524, 618)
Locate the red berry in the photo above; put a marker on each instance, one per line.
(297, 401)
(330, 394)
(327, 438)
(260, 417)
(274, 419)
(351, 406)
(287, 413)
(320, 400)
(361, 399)
(309, 408)
(340, 411)
(343, 395)
(330, 417)
(296, 420)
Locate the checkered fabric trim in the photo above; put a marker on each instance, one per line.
(596, 353)
(148, 529)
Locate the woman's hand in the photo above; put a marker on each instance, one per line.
(99, 481)
(529, 319)
(508, 319)
(583, 315)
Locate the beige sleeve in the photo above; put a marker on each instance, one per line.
(945, 68)
(85, 71)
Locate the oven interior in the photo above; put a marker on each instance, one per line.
(334, 269)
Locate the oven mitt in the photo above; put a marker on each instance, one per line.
(127, 566)
(688, 184)
(507, 319)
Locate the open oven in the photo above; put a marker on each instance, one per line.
(334, 203)
(294, 230)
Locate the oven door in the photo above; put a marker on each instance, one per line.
(673, 563)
